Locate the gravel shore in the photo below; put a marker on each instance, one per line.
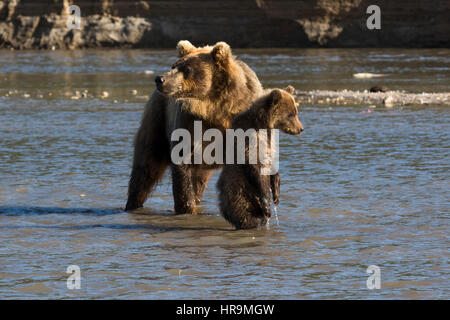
(315, 97)
(386, 99)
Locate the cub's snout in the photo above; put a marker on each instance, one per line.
(298, 127)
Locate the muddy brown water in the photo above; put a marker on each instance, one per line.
(358, 189)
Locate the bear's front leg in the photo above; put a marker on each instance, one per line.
(275, 186)
(183, 190)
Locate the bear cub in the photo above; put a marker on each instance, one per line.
(245, 194)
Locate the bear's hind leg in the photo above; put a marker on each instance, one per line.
(151, 153)
(143, 179)
(200, 178)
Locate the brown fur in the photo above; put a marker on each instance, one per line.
(207, 84)
(244, 194)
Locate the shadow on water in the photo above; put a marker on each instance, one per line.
(118, 226)
(30, 211)
(143, 219)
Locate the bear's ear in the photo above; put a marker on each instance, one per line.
(275, 97)
(221, 54)
(184, 47)
(290, 89)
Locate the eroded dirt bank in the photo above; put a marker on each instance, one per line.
(41, 24)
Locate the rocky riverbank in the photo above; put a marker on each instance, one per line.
(373, 99)
(41, 24)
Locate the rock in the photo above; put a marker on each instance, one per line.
(105, 94)
(378, 89)
(388, 102)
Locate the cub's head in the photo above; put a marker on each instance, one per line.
(282, 111)
(196, 71)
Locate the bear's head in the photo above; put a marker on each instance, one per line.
(199, 72)
(282, 111)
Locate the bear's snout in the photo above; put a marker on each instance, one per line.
(299, 127)
(296, 131)
(299, 131)
(159, 80)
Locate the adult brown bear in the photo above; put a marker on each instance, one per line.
(207, 84)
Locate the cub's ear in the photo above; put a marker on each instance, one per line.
(184, 47)
(290, 89)
(221, 53)
(275, 97)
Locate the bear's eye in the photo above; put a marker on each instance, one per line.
(187, 70)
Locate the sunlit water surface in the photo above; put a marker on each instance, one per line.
(358, 189)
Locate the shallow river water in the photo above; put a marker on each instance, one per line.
(357, 188)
